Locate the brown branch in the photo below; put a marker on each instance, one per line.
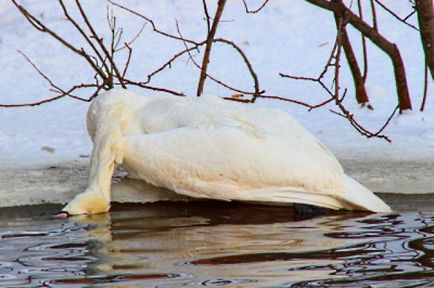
(208, 45)
(127, 64)
(42, 28)
(150, 21)
(359, 128)
(84, 35)
(425, 15)
(39, 71)
(196, 45)
(171, 60)
(364, 46)
(310, 106)
(256, 10)
(358, 78)
(409, 15)
(403, 20)
(241, 100)
(101, 43)
(132, 39)
(248, 64)
(425, 89)
(374, 16)
(389, 48)
(57, 97)
(323, 72)
(54, 87)
(386, 124)
(113, 41)
(207, 18)
(188, 51)
(159, 89)
(32, 103)
(334, 61)
(339, 39)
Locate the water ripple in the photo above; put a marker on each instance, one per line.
(217, 244)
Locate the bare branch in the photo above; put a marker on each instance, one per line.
(334, 61)
(403, 20)
(171, 60)
(425, 89)
(425, 15)
(248, 64)
(188, 51)
(101, 43)
(364, 46)
(256, 10)
(208, 45)
(130, 52)
(62, 94)
(133, 39)
(389, 48)
(81, 31)
(159, 89)
(154, 27)
(374, 16)
(311, 107)
(207, 18)
(42, 28)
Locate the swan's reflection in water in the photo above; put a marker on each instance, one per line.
(220, 244)
(212, 240)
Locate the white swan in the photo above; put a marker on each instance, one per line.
(212, 148)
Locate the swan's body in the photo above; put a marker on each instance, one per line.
(211, 148)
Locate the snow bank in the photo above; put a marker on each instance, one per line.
(292, 37)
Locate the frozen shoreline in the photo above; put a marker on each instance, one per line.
(59, 183)
(53, 135)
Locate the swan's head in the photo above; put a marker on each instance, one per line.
(87, 203)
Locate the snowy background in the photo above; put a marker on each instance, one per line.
(292, 37)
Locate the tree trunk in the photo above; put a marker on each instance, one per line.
(425, 15)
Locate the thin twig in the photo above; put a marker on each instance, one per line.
(132, 39)
(425, 88)
(159, 89)
(127, 64)
(150, 21)
(403, 20)
(256, 10)
(62, 94)
(188, 51)
(374, 16)
(409, 15)
(43, 28)
(364, 46)
(100, 42)
(84, 35)
(207, 18)
(248, 64)
(169, 62)
(333, 61)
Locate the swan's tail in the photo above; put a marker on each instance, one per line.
(358, 197)
(354, 197)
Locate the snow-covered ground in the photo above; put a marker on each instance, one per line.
(286, 36)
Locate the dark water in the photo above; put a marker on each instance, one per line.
(214, 244)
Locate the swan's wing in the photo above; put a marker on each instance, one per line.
(223, 162)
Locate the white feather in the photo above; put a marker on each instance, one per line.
(212, 148)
